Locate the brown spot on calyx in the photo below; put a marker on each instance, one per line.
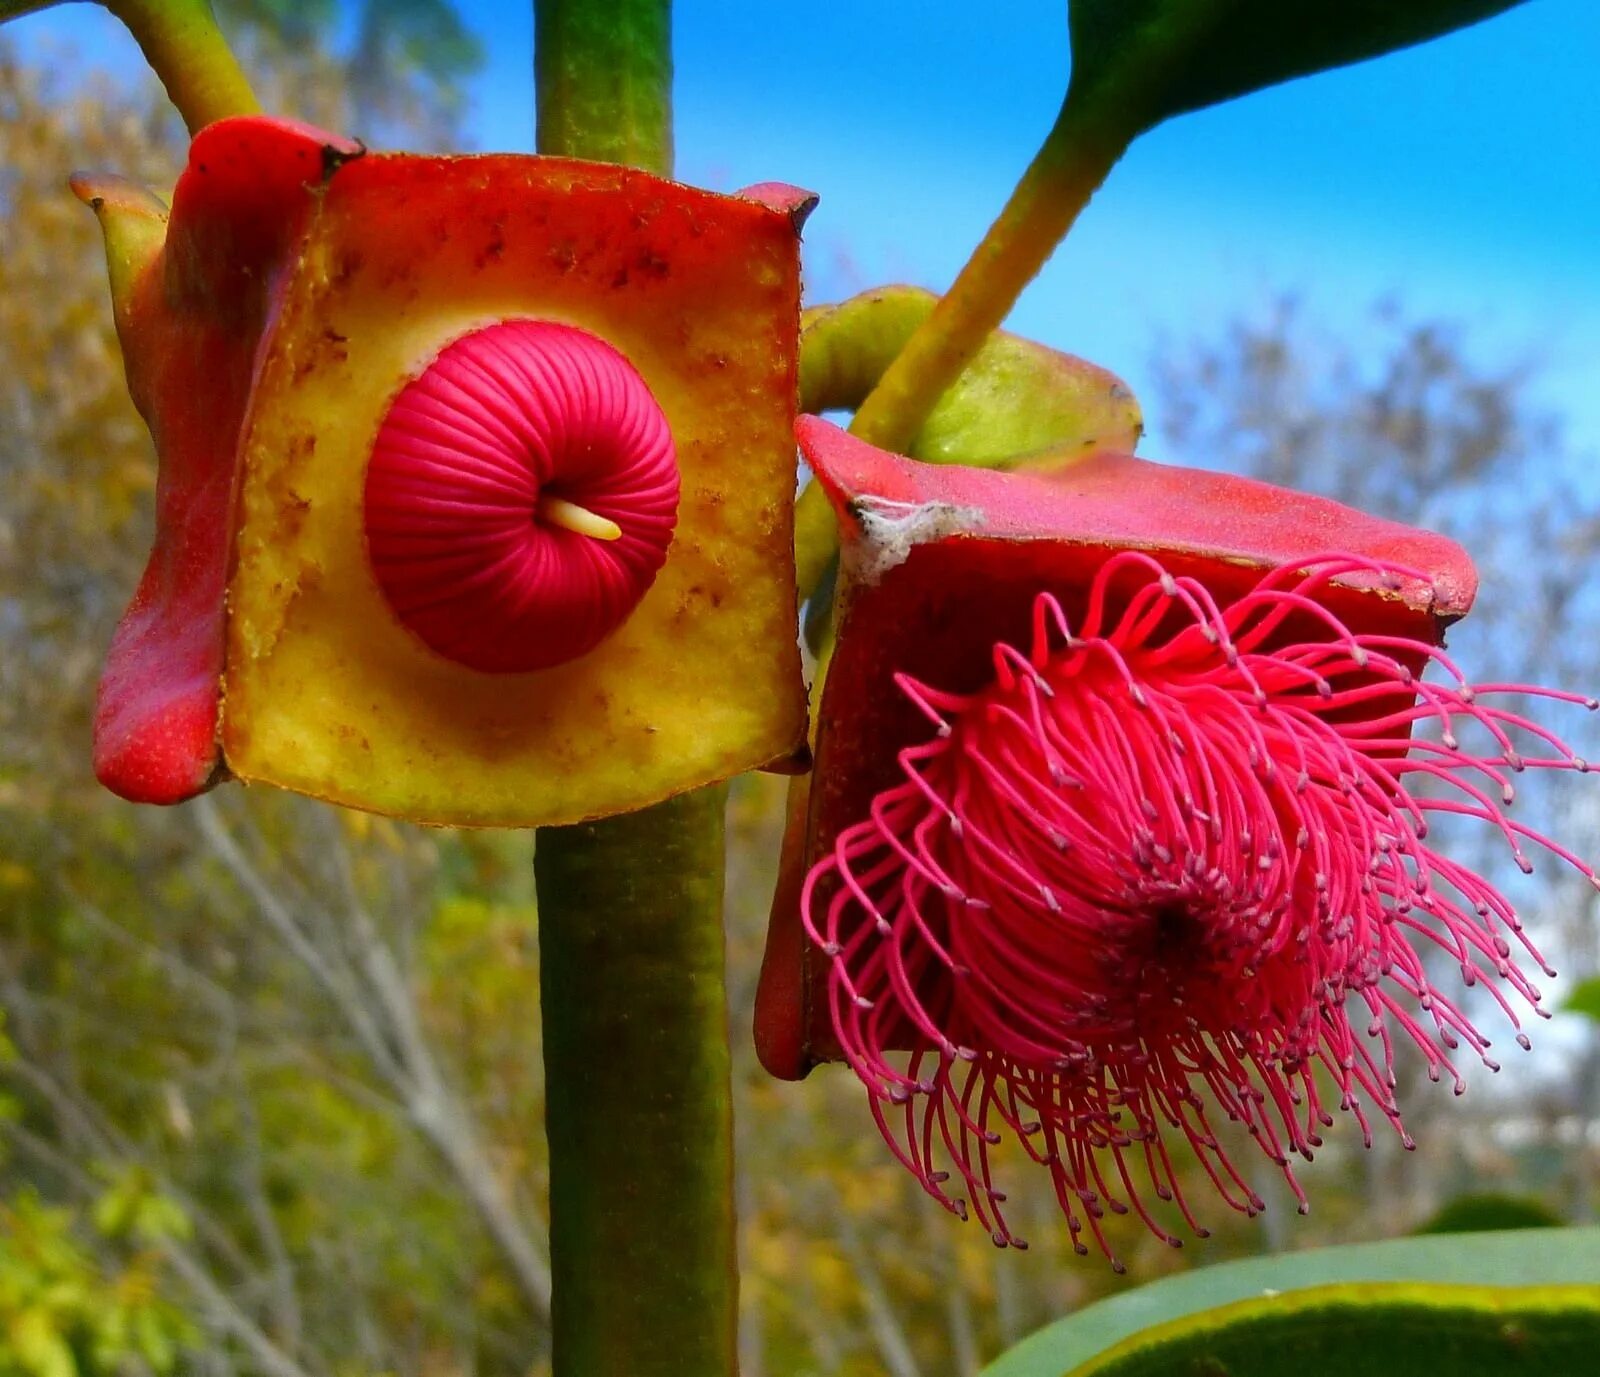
(494, 250)
(349, 265)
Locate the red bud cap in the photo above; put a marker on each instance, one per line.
(521, 496)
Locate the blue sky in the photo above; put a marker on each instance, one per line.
(1465, 173)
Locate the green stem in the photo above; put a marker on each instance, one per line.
(604, 80)
(1080, 150)
(638, 1099)
(637, 1093)
(184, 47)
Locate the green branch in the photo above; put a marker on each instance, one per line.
(604, 80)
(184, 47)
(1080, 150)
(637, 1079)
(637, 1093)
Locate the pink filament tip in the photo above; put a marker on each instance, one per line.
(463, 474)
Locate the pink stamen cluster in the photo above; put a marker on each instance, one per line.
(1171, 859)
(460, 480)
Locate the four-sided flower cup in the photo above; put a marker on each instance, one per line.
(475, 501)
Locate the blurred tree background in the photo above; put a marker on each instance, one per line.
(270, 1094)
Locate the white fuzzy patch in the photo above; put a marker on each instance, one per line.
(886, 532)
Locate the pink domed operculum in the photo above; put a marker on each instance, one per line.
(521, 496)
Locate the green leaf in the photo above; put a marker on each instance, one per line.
(1373, 1329)
(1147, 60)
(118, 1206)
(1584, 999)
(1485, 1210)
(38, 1348)
(155, 1340)
(1533, 1258)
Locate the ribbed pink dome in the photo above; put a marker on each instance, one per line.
(460, 486)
